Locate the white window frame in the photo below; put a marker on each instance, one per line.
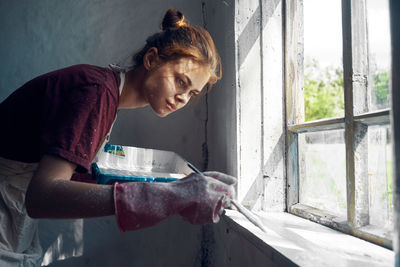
(355, 122)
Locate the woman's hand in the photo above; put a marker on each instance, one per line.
(225, 178)
(198, 199)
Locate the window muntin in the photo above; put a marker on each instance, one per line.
(359, 122)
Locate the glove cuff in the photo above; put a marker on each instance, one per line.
(117, 207)
(141, 204)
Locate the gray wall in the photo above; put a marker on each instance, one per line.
(221, 126)
(40, 36)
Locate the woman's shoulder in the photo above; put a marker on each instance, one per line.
(85, 74)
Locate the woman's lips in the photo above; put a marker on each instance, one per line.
(171, 107)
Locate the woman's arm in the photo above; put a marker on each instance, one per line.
(51, 194)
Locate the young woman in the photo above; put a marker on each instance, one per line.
(54, 125)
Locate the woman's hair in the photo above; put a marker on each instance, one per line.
(179, 39)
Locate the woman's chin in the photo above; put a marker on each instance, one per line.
(162, 112)
(161, 115)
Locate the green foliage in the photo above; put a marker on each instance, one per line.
(380, 89)
(323, 92)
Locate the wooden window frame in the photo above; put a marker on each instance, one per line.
(355, 122)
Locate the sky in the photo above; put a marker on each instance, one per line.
(323, 32)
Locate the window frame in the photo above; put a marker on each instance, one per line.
(355, 121)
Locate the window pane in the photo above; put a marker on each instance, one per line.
(323, 171)
(323, 71)
(380, 176)
(379, 53)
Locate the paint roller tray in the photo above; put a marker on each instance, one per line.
(134, 164)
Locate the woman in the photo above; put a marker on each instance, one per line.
(55, 124)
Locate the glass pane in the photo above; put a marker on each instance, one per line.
(322, 161)
(323, 71)
(380, 176)
(379, 53)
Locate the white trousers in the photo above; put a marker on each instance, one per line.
(19, 239)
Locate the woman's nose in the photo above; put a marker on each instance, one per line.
(182, 98)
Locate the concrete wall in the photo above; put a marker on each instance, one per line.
(45, 35)
(222, 122)
(246, 122)
(41, 36)
(260, 109)
(98, 242)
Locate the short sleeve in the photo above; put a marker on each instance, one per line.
(76, 123)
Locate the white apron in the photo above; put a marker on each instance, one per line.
(19, 239)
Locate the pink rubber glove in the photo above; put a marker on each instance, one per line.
(225, 178)
(198, 199)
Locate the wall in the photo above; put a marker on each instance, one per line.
(246, 121)
(98, 242)
(246, 108)
(40, 36)
(222, 122)
(46, 35)
(246, 132)
(50, 34)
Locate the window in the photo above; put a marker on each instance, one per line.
(337, 65)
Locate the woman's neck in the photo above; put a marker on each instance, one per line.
(131, 95)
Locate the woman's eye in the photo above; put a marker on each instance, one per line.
(181, 82)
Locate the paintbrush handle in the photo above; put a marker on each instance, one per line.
(249, 215)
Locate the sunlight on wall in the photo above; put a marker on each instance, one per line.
(68, 244)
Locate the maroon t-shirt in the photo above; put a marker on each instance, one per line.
(66, 113)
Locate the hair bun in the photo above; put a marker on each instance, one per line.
(173, 19)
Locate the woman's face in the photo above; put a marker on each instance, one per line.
(169, 86)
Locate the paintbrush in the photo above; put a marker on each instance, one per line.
(246, 213)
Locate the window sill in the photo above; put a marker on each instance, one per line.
(377, 235)
(306, 243)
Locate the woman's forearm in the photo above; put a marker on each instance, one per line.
(69, 199)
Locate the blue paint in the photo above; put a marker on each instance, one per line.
(103, 178)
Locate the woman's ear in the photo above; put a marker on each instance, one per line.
(150, 59)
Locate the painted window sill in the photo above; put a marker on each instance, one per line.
(306, 243)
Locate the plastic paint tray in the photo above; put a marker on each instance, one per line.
(134, 164)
